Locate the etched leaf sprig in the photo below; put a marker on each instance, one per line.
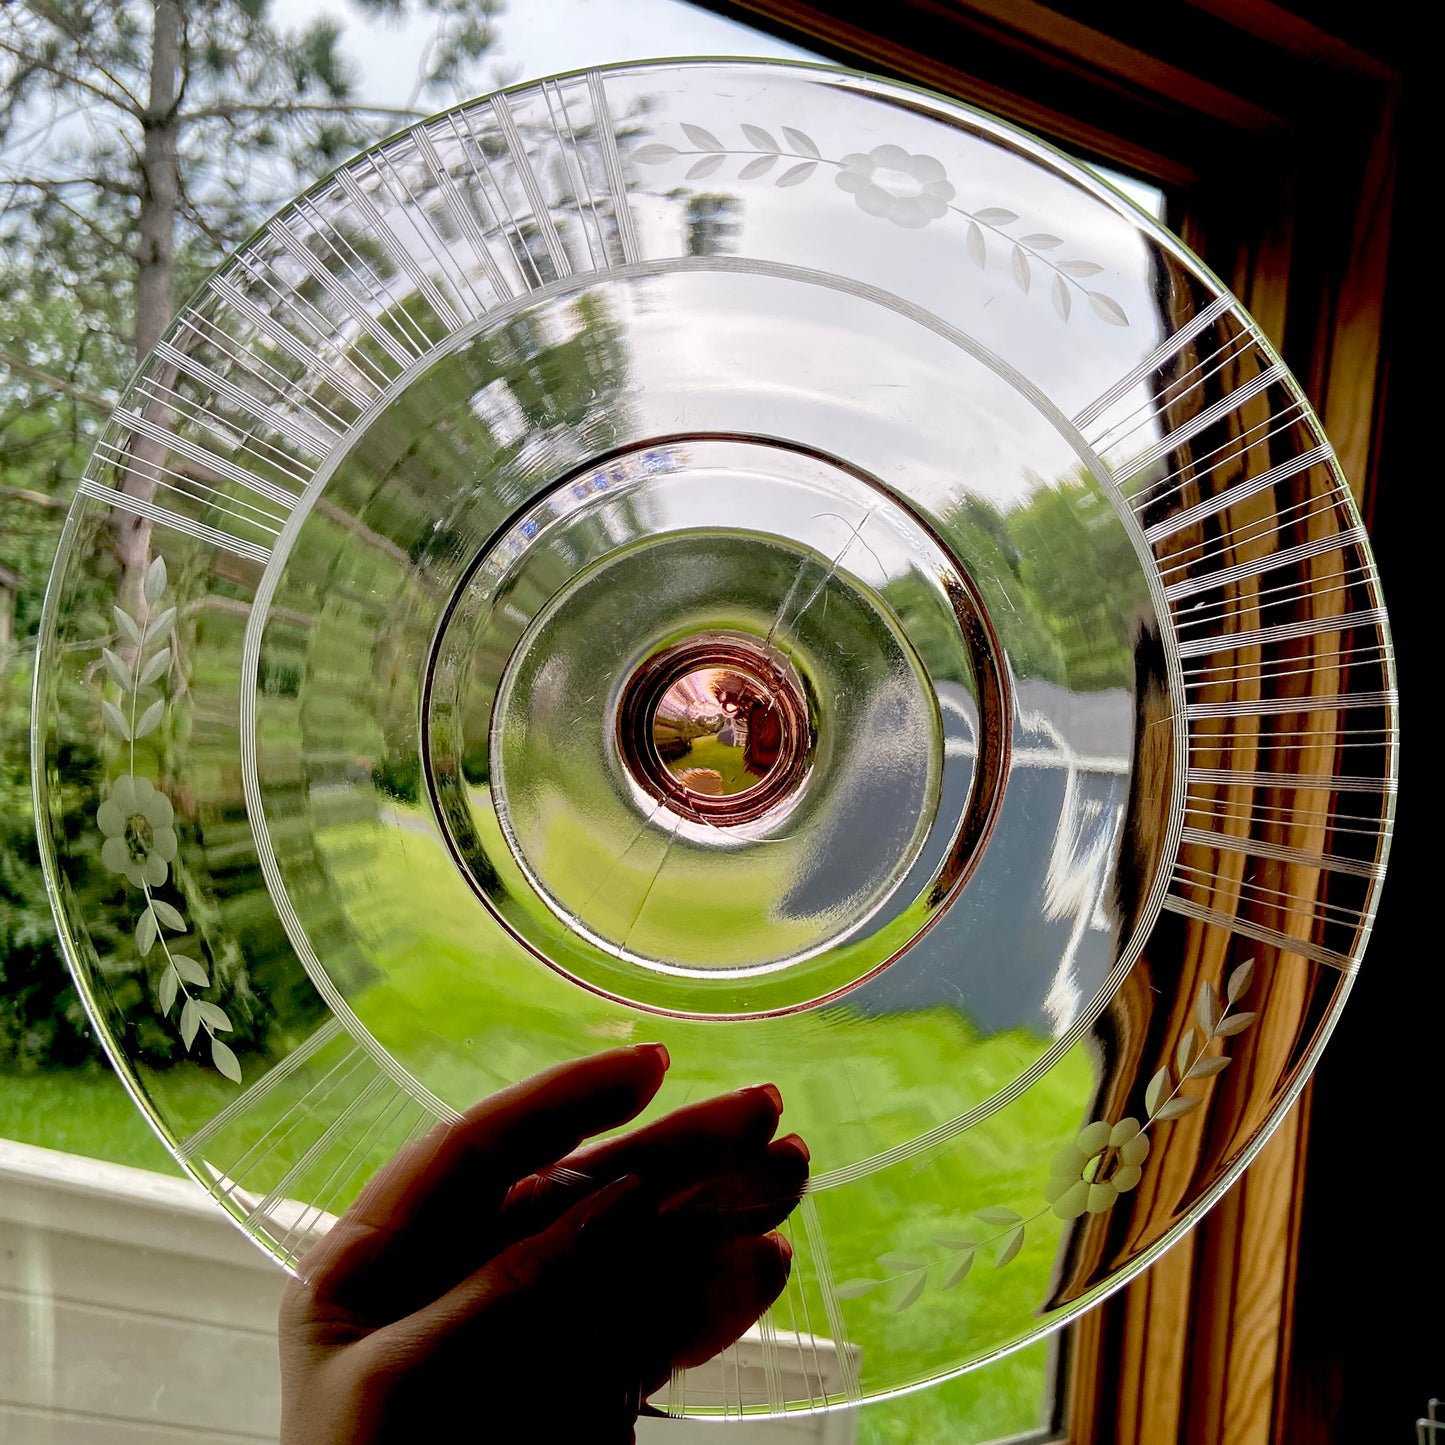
(1163, 1099)
(910, 190)
(1105, 1160)
(1002, 1233)
(137, 820)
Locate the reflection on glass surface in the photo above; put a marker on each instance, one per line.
(718, 731)
(770, 564)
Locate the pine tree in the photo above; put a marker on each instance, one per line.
(140, 141)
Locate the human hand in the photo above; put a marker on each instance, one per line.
(502, 1273)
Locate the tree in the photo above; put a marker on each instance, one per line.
(161, 133)
(140, 141)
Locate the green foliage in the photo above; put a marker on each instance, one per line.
(42, 1021)
(1059, 578)
(1077, 563)
(256, 111)
(399, 778)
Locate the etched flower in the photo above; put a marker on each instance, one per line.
(140, 841)
(909, 190)
(1105, 1161)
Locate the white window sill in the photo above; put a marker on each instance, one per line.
(133, 1310)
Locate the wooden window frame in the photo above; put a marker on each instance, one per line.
(1276, 136)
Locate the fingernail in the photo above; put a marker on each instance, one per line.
(796, 1142)
(784, 1248)
(770, 1092)
(659, 1049)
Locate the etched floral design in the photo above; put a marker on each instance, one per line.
(1105, 1161)
(906, 189)
(139, 839)
(137, 820)
(911, 191)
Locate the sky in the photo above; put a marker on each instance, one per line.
(546, 37)
(539, 38)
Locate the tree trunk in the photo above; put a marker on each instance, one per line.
(155, 276)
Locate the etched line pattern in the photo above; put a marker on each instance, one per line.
(1212, 583)
(346, 1119)
(277, 394)
(164, 517)
(1209, 416)
(281, 1133)
(336, 238)
(1206, 746)
(232, 487)
(1247, 928)
(1226, 456)
(165, 479)
(1239, 492)
(219, 467)
(1326, 665)
(1249, 778)
(1166, 349)
(1315, 547)
(594, 234)
(1209, 882)
(463, 218)
(790, 1297)
(379, 229)
(490, 190)
(401, 352)
(359, 391)
(1174, 391)
(606, 130)
(541, 216)
(1318, 914)
(1282, 853)
(314, 1218)
(772, 1370)
(1229, 808)
(406, 206)
(732, 1380)
(1214, 618)
(1272, 706)
(219, 451)
(263, 1087)
(314, 435)
(389, 1133)
(1309, 513)
(285, 298)
(808, 1343)
(1285, 632)
(827, 1287)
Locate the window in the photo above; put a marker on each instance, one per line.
(1273, 137)
(1278, 132)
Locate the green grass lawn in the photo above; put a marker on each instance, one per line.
(80, 1111)
(707, 752)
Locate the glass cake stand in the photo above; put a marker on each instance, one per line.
(751, 556)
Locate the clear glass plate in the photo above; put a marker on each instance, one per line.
(756, 557)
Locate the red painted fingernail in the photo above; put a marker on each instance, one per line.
(784, 1248)
(796, 1141)
(770, 1092)
(659, 1049)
